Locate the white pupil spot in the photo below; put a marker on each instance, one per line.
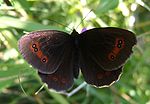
(35, 49)
(43, 60)
(119, 45)
(120, 41)
(34, 45)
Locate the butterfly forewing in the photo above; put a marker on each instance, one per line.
(44, 50)
(108, 47)
(62, 78)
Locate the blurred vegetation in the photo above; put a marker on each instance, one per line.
(19, 16)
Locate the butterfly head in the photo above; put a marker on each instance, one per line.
(74, 33)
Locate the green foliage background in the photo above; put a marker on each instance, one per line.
(28, 15)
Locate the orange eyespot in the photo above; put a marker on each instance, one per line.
(107, 73)
(55, 78)
(111, 56)
(100, 75)
(64, 81)
(44, 59)
(35, 50)
(33, 45)
(119, 43)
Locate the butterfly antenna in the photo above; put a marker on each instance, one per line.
(61, 24)
(21, 86)
(84, 18)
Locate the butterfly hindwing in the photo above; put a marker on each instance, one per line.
(44, 50)
(109, 47)
(95, 75)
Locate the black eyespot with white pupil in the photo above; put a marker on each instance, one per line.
(120, 42)
(35, 49)
(33, 45)
(119, 45)
(44, 60)
(112, 57)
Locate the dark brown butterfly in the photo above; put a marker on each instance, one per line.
(100, 53)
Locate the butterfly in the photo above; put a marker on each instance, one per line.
(100, 54)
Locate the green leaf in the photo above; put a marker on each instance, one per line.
(5, 83)
(6, 21)
(106, 5)
(13, 70)
(9, 37)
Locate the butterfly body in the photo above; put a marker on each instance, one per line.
(100, 53)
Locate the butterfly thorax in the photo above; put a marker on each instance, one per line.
(75, 36)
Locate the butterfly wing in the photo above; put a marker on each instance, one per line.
(44, 50)
(94, 74)
(109, 47)
(62, 78)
